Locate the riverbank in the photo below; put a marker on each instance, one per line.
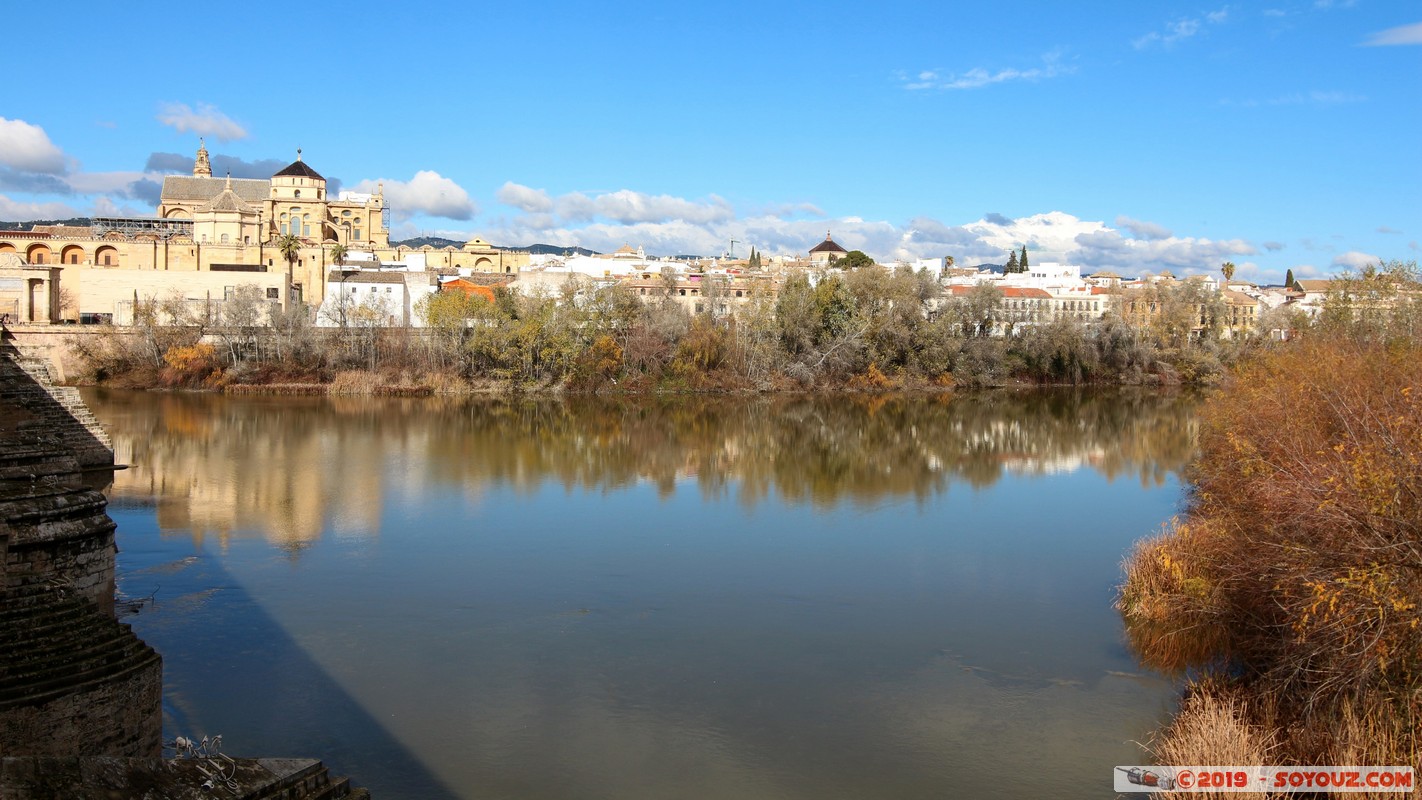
(1291, 590)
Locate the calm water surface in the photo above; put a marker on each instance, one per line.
(701, 598)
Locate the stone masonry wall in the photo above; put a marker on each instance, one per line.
(112, 717)
(85, 565)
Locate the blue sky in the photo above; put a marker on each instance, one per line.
(1130, 136)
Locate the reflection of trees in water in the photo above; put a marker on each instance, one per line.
(823, 450)
(290, 466)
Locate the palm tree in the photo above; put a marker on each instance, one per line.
(289, 245)
(338, 254)
(1228, 269)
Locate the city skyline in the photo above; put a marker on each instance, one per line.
(1132, 139)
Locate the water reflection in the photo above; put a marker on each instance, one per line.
(703, 597)
(290, 468)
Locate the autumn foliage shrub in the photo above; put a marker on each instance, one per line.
(191, 365)
(1298, 569)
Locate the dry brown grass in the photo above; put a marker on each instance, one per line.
(356, 382)
(1215, 728)
(1297, 572)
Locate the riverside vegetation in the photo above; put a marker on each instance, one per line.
(1290, 593)
(868, 329)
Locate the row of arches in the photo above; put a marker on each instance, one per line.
(105, 255)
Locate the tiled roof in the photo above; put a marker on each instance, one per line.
(66, 231)
(188, 189)
(1313, 285)
(227, 201)
(299, 169)
(828, 246)
(1022, 291)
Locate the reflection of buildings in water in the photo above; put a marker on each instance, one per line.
(1021, 464)
(292, 472)
(227, 480)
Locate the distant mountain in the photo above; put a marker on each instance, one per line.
(24, 226)
(437, 242)
(440, 243)
(553, 250)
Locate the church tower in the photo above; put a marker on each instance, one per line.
(202, 168)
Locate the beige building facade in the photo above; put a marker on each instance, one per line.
(231, 226)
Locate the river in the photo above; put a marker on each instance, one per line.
(745, 597)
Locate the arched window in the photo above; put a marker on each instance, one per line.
(298, 192)
(224, 238)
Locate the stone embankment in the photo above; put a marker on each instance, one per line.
(56, 414)
(80, 694)
(172, 779)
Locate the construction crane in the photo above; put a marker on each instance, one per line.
(733, 247)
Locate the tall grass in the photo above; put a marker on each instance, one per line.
(1296, 575)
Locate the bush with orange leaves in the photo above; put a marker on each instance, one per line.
(1298, 570)
(192, 365)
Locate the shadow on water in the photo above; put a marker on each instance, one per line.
(289, 703)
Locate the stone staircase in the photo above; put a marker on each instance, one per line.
(174, 779)
(54, 644)
(35, 405)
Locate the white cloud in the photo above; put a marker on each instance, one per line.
(1386, 229)
(978, 77)
(524, 198)
(1401, 35)
(1180, 29)
(104, 207)
(1142, 230)
(205, 120)
(103, 182)
(20, 211)
(27, 148)
(426, 193)
(629, 207)
(1355, 260)
(1051, 236)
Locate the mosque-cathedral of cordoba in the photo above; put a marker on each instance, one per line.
(209, 235)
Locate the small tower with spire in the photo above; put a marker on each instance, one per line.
(202, 167)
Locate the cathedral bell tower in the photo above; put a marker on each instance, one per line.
(202, 168)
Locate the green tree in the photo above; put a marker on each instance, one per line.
(1022, 263)
(854, 259)
(1380, 302)
(1011, 263)
(1228, 269)
(338, 255)
(1289, 279)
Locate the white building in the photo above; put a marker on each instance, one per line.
(374, 298)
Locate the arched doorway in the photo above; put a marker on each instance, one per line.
(39, 254)
(73, 254)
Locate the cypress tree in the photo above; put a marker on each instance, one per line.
(1011, 263)
(1289, 279)
(1022, 265)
